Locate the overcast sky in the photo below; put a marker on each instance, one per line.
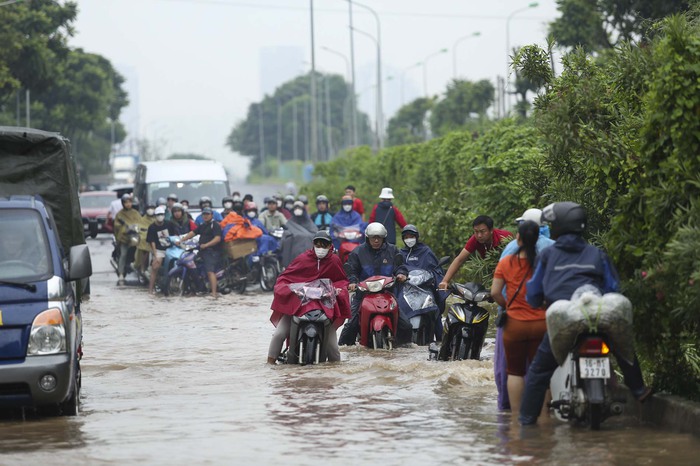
(198, 61)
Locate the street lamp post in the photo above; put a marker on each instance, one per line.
(378, 106)
(353, 109)
(425, 69)
(314, 113)
(454, 51)
(506, 97)
(380, 95)
(349, 86)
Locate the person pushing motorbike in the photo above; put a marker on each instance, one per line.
(125, 217)
(374, 257)
(209, 232)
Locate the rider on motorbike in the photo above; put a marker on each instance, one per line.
(125, 217)
(227, 204)
(209, 232)
(158, 238)
(374, 257)
(205, 201)
(559, 270)
(322, 217)
(418, 255)
(182, 222)
(316, 263)
(345, 217)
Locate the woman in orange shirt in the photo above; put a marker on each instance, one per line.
(525, 326)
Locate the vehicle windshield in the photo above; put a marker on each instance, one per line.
(93, 202)
(190, 190)
(24, 248)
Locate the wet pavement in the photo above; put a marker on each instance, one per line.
(183, 381)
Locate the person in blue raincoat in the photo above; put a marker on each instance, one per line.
(346, 217)
(418, 255)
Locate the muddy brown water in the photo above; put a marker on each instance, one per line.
(183, 381)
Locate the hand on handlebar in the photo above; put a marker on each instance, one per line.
(442, 286)
(352, 286)
(401, 278)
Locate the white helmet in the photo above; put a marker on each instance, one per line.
(160, 210)
(375, 229)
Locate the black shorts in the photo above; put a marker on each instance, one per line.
(210, 259)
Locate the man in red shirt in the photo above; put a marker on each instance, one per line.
(485, 237)
(357, 204)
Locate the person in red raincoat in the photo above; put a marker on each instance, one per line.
(315, 263)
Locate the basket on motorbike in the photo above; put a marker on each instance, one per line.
(240, 247)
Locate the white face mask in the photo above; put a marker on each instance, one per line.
(321, 252)
(160, 218)
(288, 206)
(298, 212)
(347, 208)
(184, 208)
(150, 211)
(410, 242)
(228, 205)
(251, 214)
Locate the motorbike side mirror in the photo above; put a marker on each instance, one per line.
(443, 260)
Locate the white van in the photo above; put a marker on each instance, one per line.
(189, 179)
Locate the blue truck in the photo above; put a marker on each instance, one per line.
(44, 266)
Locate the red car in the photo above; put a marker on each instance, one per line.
(94, 206)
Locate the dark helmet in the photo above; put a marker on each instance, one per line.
(225, 200)
(409, 229)
(204, 200)
(173, 196)
(564, 217)
(288, 198)
(323, 236)
(304, 199)
(126, 197)
(320, 199)
(150, 205)
(161, 201)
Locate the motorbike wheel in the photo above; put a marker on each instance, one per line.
(175, 286)
(310, 350)
(595, 415)
(425, 333)
(268, 276)
(464, 348)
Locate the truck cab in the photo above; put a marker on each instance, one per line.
(43, 264)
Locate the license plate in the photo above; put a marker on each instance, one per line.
(594, 368)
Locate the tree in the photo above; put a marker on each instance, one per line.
(463, 101)
(599, 24)
(408, 126)
(280, 125)
(73, 92)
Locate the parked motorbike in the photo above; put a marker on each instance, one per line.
(464, 328)
(264, 269)
(582, 386)
(350, 238)
(311, 327)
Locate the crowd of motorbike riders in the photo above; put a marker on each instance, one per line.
(546, 260)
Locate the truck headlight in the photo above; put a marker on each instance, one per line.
(48, 334)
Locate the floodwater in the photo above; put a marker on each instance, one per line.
(183, 381)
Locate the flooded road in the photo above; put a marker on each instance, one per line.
(183, 381)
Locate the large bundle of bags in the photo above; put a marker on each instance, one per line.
(589, 312)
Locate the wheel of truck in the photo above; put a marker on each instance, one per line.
(71, 407)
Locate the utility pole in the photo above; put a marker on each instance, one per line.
(314, 109)
(353, 108)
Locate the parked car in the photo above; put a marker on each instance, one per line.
(94, 206)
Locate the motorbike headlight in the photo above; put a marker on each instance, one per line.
(375, 286)
(48, 334)
(482, 296)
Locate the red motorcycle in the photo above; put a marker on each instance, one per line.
(379, 313)
(350, 238)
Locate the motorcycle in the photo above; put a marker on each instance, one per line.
(582, 386)
(350, 238)
(133, 238)
(417, 302)
(311, 327)
(464, 328)
(188, 274)
(379, 313)
(264, 269)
